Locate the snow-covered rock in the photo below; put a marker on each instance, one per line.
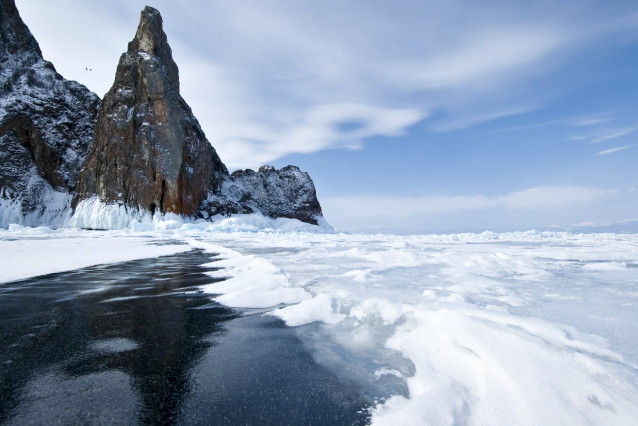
(67, 159)
(46, 125)
(287, 192)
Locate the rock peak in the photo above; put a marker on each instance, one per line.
(152, 52)
(15, 37)
(148, 150)
(150, 36)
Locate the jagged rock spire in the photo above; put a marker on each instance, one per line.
(148, 150)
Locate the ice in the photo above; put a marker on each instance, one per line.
(320, 308)
(95, 214)
(29, 252)
(53, 214)
(114, 345)
(10, 212)
(519, 328)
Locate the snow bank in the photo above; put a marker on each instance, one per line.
(248, 281)
(495, 328)
(320, 308)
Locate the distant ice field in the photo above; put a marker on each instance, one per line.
(520, 328)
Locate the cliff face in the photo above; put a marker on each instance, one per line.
(148, 150)
(46, 125)
(287, 192)
(140, 148)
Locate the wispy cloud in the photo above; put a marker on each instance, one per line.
(583, 121)
(594, 120)
(269, 78)
(481, 59)
(469, 120)
(614, 134)
(612, 150)
(322, 127)
(544, 197)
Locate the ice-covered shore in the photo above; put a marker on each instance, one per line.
(518, 328)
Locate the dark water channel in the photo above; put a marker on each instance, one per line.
(135, 343)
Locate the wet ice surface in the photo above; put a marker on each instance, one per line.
(136, 343)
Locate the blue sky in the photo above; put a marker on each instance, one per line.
(436, 115)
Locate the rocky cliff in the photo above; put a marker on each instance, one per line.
(288, 192)
(137, 153)
(46, 125)
(148, 150)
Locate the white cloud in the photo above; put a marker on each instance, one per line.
(612, 150)
(481, 60)
(539, 198)
(271, 78)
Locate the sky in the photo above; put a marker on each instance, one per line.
(433, 116)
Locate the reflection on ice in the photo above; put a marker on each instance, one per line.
(114, 345)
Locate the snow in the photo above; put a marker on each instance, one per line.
(95, 214)
(519, 328)
(29, 252)
(250, 281)
(320, 308)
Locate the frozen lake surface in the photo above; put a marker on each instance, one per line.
(135, 343)
(517, 328)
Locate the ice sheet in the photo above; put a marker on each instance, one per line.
(29, 252)
(520, 328)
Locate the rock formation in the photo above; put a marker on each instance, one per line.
(137, 153)
(148, 150)
(288, 192)
(46, 125)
